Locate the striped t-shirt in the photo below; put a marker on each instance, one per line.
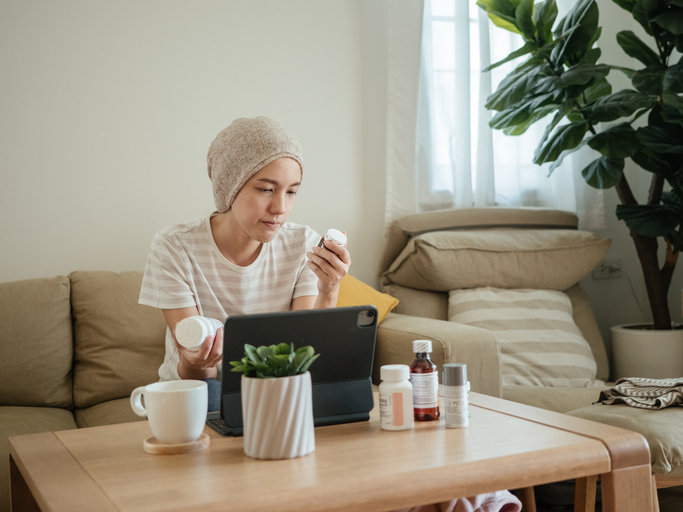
(185, 268)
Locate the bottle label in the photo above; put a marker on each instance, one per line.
(457, 407)
(425, 390)
(391, 410)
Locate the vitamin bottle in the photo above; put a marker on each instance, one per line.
(425, 381)
(193, 330)
(455, 395)
(333, 235)
(395, 397)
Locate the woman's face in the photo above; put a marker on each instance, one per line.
(263, 204)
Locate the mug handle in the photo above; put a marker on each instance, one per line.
(136, 401)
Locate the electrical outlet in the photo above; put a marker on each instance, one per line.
(607, 268)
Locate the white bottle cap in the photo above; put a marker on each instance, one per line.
(192, 331)
(336, 236)
(422, 346)
(394, 372)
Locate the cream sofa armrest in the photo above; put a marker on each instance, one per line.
(451, 343)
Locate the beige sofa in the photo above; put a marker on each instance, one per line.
(73, 348)
(426, 255)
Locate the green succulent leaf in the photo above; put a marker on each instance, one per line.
(275, 360)
(619, 141)
(563, 138)
(619, 104)
(651, 220)
(604, 172)
(636, 48)
(649, 80)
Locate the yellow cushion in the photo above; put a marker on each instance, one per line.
(353, 292)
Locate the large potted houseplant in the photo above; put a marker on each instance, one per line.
(277, 403)
(561, 75)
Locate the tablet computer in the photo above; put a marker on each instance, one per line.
(342, 375)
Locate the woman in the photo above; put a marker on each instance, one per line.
(244, 258)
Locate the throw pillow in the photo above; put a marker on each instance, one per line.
(543, 259)
(540, 343)
(353, 292)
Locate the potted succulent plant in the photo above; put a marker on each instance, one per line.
(277, 402)
(562, 76)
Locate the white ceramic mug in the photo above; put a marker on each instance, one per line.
(176, 409)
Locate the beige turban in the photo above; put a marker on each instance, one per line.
(241, 150)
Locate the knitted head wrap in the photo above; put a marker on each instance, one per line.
(241, 150)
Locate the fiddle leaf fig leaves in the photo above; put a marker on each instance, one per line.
(634, 47)
(620, 141)
(603, 172)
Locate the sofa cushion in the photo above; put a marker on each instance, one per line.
(15, 421)
(106, 413)
(540, 343)
(552, 399)
(119, 344)
(551, 259)
(661, 428)
(36, 346)
(435, 305)
(353, 292)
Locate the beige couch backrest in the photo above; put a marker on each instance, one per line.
(119, 344)
(36, 346)
(421, 275)
(401, 230)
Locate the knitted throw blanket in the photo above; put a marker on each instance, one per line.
(644, 393)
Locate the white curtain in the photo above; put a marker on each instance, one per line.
(441, 152)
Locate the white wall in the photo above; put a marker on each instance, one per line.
(108, 108)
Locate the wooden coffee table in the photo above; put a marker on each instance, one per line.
(355, 466)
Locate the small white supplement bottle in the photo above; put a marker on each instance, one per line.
(456, 395)
(192, 331)
(333, 235)
(395, 397)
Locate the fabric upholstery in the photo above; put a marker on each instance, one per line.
(36, 347)
(553, 399)
(450, 343)
(468, 219)
(119, 344)
(540, 343)
(16, 421)
(661, 428)
(106, 413)
(353, 292)
(542, 259)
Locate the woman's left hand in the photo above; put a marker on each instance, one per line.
(330, 263)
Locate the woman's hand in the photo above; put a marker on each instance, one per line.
(330, 264)
(202, 363)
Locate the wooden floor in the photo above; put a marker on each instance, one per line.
(670, 500)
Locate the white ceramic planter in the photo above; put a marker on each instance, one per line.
(646, 353)
(277, 414)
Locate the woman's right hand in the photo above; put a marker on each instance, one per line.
(201, 364)
(195, 363)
